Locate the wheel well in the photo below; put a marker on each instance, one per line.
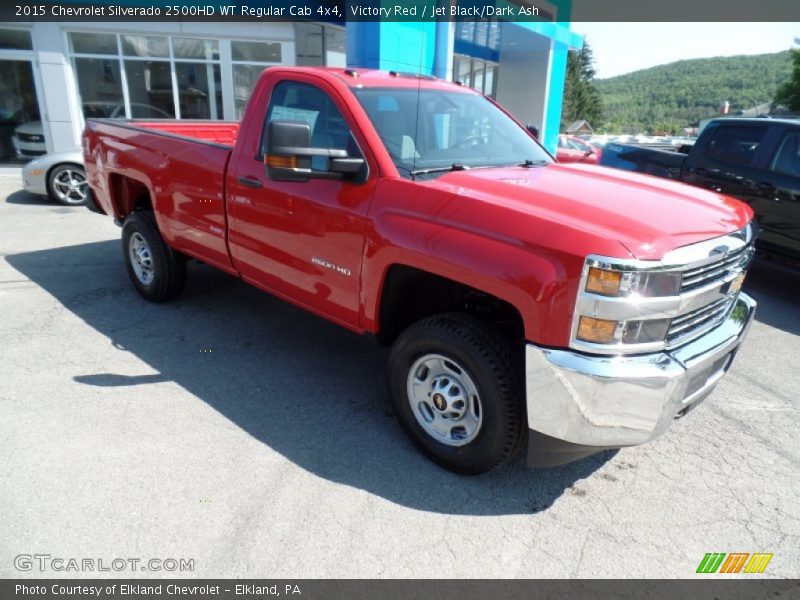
(128, 194)
(410, 294)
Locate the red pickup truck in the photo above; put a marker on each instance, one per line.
(574, 307)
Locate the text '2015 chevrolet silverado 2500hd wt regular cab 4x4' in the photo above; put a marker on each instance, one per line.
(577, 307)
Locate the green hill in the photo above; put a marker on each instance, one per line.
(679, 94)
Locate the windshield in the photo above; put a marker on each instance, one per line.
(438, 130)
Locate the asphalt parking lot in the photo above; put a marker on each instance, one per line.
(238, 431)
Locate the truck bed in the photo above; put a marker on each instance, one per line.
(178, 167)
(215, 132)
(641, 159)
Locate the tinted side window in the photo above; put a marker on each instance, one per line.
(737, 145)
(787, 158)
(301, 102)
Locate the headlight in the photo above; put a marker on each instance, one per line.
(604, 331)
(608, 282)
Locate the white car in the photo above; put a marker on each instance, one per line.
(28, 139)
(59, 175)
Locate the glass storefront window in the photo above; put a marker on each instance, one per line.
(488, 83)
(15, 39)
(21, 133)
(168, 76)
(100, 87)
(199, 90)
(335, 47)
(244, 80)
(93, 43)
(478, 74)
(461, 70)
(150, 89)
(195, 48)
(145, 45)
(265, 52)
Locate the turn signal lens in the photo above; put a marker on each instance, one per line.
(597, 331)
(280, 162)
(603, 282)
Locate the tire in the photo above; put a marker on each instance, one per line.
(456, 387)
(157, 271)
(67, 184)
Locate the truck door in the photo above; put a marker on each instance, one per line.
(727, 163)
(780, 186)
(303, 241)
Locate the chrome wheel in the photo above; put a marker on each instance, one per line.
(141, 258)
(69, 185)
(444, 400)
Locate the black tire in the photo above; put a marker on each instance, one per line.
(494, 367)
(59, 188)
(166, 266)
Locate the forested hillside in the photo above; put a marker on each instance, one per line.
(677, 95)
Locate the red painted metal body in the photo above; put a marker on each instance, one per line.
(520, 234)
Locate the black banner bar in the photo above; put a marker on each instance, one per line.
(342, 11)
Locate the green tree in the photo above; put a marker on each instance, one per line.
(789, 93)
(581, 98)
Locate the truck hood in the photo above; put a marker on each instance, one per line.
(647, 215)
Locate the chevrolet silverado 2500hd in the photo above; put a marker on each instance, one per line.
(573, 307)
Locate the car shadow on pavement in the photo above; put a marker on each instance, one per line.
(305, 387)
(774, 286)
(23, 197)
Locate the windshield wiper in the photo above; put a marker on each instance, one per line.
(533, 163)
(453, 167)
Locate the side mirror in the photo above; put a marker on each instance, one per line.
(289, 155)
(533, 130)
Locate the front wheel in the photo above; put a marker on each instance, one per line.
(456, 389)
(67, 184)
(155, 269)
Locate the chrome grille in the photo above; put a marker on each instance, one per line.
(709, 279)
(697, 322)
(716, 271)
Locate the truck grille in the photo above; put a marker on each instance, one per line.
(704, 279)
(716, 271)
(697, 322)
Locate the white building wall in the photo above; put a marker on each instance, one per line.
(524, 75)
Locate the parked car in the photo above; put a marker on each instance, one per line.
(579, 308)
(755, 160)
(59, 175)
(571, 149)
(28, 139)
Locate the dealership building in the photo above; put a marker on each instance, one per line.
(54, 74)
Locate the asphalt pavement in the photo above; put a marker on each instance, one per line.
(235, 431)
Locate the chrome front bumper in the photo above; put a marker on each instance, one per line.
(615, 401)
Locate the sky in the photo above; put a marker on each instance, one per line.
(624, 47)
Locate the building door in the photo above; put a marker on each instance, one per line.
(21, 131)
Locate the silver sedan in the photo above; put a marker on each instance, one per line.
(59, 175)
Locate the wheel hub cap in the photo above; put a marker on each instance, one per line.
(444, 400)
(141, 260)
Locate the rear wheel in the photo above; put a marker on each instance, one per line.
(67, 184)
(156, 270)
(456, 390)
